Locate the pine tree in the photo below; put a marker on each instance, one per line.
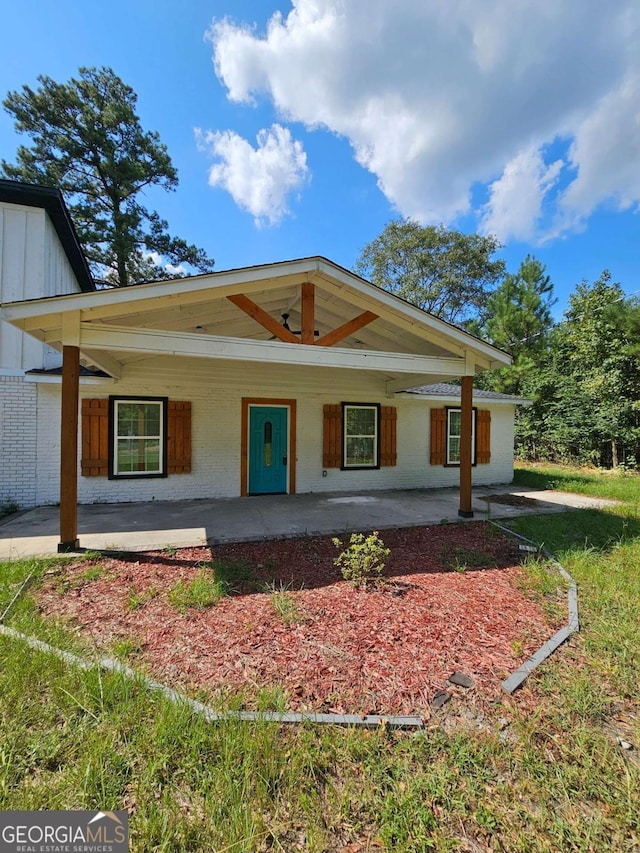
(87, 140)
(518, 320)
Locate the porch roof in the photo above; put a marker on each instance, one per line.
(445, 393)
(256, 314)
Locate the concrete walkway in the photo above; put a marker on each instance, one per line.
(156, 525)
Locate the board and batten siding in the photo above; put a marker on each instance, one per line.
(216, 392)
(33, 265)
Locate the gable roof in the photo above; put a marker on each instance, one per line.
(200, 304)
(239, 315)
(51, 200)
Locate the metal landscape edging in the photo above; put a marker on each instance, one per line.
(517, 678)
(25, 583)
(509, 685)
(369, 721)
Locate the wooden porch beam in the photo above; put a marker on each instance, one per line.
(400, 320)
(308, 292)
(160, 342)
(69, 449)
(347, 329)
(265, 320)
(466, 431)
(105, 362)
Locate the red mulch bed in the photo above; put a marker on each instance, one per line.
(386, 650)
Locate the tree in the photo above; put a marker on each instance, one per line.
(599, 355)
(586, 386)
(88, 141)
(518, 320)
(444, 272)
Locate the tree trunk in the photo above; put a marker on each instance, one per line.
(614, 453)
(119, 243)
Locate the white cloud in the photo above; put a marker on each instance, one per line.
(158, 260)
(438, 95)
(258, 179)
(606, 153)
(514, 209)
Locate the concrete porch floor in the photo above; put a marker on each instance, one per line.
(159, 524)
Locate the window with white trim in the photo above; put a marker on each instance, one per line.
(454, 436)
(138, 441)
(360, 423)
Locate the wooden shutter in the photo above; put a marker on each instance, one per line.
(388, 449)
(438, 437)
(95, 438)
(483, 436)
(332, 437)
(178, 437)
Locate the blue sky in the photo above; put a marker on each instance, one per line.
(320, 120)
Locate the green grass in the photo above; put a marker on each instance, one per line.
(213, 581)
(77, 740)
(551, 778)
(460, 559)
(93, 573)
(285, 605)
(601, 550)
(233, 574)
(616, 485)
(139, 599)
(126, 648)
(542, 582)
(203, 590)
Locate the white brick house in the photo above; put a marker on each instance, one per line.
(289, 377)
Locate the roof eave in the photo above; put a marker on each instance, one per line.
(234, 280)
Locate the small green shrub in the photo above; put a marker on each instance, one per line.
(363, 560)
(7, 507)
(200, 592)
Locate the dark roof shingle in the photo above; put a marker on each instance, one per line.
(443, 389)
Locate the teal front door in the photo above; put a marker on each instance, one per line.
(268, 445)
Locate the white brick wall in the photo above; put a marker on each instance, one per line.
(216, 412)
(18, 441)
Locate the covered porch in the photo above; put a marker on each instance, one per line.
(224, 328)
(181, 524)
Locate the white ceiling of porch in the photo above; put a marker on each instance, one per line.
(219, 316)
(196, 316)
